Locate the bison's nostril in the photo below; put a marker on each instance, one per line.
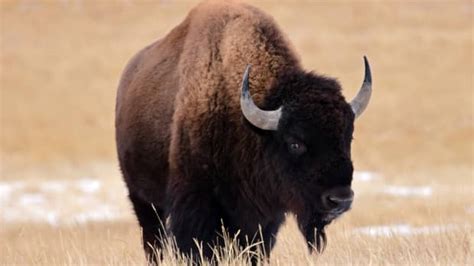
(337, 199)
(338, 203)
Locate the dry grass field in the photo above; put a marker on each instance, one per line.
(62, 200)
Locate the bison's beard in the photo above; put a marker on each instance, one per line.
(314, 233)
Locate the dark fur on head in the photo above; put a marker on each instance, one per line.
(316, 114)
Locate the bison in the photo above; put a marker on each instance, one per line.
(208, 149)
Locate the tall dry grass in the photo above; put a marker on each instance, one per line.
(60, 62)
(117, 244)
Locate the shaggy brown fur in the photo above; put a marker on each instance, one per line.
(185, 147)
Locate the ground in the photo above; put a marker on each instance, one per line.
(62, 200)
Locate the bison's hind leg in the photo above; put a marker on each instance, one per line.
(152, 221)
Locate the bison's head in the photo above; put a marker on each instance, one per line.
(308, 144)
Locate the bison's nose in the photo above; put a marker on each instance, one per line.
(338, 199)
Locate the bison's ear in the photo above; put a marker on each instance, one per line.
(265, 120)
(360, 102)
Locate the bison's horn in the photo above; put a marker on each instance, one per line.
(360, 102)
(267, 120)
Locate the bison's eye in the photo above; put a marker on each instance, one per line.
(296, 148)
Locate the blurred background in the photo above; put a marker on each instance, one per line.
(61, 62)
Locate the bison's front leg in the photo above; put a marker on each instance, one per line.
(195, 220)
(151, 220)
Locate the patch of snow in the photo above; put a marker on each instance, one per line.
(404, 230)
(59, 202)
(7, 188)
(36, 215)
(51, 217)
(98, 213)
(88, 185)
(53, 186)
(365, 176)
(31, 199)
(408, 191)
